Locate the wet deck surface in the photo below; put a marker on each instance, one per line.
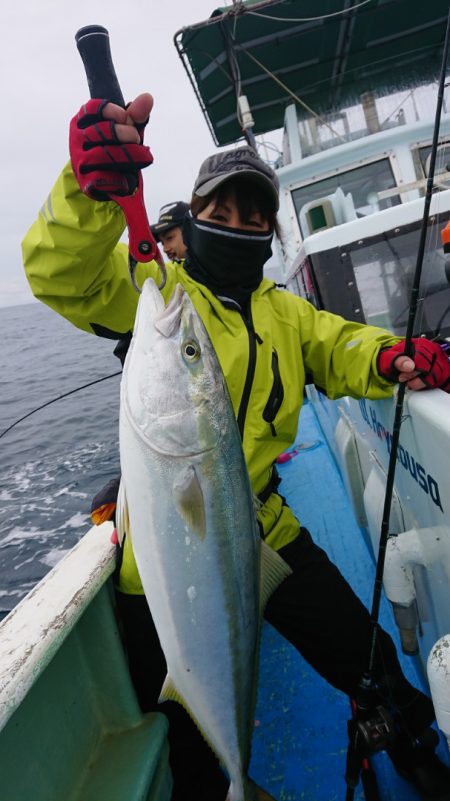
(300, 741)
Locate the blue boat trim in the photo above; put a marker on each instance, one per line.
(300, 739)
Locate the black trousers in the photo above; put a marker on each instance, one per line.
(316, 610)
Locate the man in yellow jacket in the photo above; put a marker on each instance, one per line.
(266, 340)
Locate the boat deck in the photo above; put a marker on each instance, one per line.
(300, 740)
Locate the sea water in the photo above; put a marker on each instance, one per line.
(52, 463)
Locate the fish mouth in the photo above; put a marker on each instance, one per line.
(172, 434)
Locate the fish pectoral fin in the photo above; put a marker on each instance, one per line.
(273, 570)
(122, 518)
(189, 500)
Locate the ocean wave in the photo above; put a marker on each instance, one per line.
(55, 461)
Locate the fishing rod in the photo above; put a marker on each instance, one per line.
(60, 397)
(368, 734)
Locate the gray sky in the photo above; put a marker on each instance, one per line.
(43, 85)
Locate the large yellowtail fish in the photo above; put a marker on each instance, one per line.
(187, 503)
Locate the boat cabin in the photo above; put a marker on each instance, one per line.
(353, 201)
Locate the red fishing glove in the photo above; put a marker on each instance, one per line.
(432, 361)
(103, 165)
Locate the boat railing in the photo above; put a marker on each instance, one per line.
(441, 181)
(70, 723)
(32, 633)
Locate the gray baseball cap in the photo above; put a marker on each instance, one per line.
(220, 167)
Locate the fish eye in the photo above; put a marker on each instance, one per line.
(190, 351)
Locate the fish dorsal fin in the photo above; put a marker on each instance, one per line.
(170, 693)
(168, 321)
(189, 500)
(122, 517)
(273, 570)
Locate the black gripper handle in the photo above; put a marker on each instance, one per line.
(93, 45)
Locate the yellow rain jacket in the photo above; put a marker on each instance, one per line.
(75, 265)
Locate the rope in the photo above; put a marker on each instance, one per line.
(292, 94)
(309, 19)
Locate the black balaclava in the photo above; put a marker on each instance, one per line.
(229, 261)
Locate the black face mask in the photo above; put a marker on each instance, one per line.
(228, 261)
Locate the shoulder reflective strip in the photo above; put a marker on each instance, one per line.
(44, 210)
(50, 209)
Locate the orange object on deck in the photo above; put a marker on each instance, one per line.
(445, 236)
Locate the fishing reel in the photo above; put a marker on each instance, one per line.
(370, 729)
(375, 734)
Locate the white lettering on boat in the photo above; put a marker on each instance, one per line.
(419, 473)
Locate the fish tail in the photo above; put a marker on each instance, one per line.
(247, 791)
(241, 790)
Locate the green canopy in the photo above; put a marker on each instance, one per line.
(274, 49)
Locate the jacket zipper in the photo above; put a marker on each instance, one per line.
(253, 338)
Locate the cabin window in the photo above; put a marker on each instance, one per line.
(421, 158)
(363, 183)
(384, 270)
(369, 281)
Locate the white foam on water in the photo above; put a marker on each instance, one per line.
(18, 593)
(77, 520)
(24, 562)
(34, 507)
(54, 556)
(22, 479)
(72, 493)
(19, 534)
